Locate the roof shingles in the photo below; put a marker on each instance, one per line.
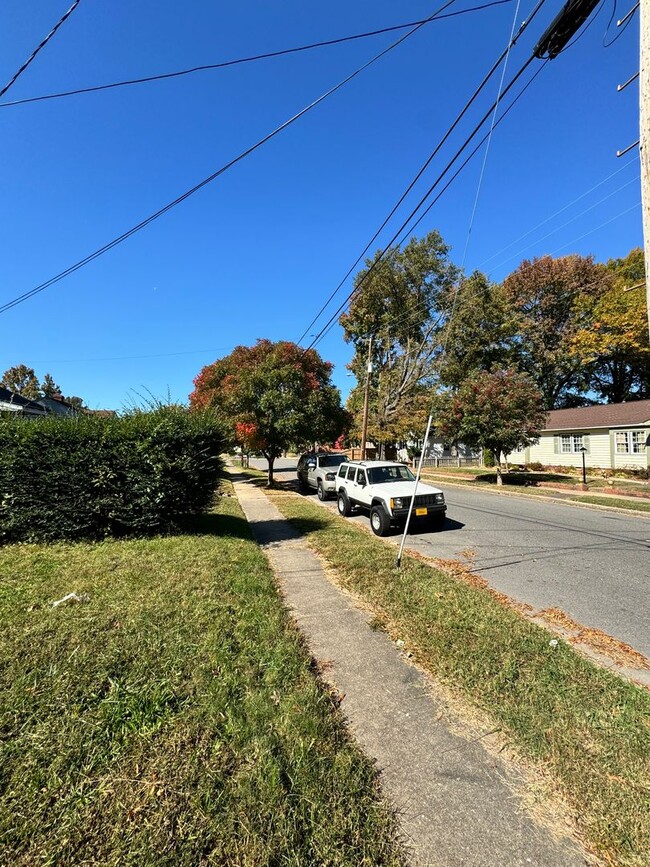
(636, 412)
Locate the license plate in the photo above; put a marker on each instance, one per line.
(420, 512)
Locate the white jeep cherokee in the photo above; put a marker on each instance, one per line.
(385, 489)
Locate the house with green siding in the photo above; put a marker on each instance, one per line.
(614, 436)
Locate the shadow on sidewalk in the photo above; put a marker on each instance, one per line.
(283, 529)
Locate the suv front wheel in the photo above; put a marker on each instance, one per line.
(320, 490)
(379, 521)
(343, 505)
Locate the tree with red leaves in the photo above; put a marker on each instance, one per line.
(274, 395)
(500, 411)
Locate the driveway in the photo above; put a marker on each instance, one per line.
(592, 564)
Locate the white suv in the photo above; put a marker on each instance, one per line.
(386, 489)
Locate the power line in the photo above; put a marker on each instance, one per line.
(624, 21)
(568, 222)
(602, 226)
(38, 48)
(383, 252)
(266, 56)
(489, 138)
(470, 156)
(425, 165)
(186, 195)
(330, 323)
(555, 214)
(448, 184)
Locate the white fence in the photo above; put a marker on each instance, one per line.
(449, 462)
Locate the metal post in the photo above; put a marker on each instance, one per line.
(584, 467)
(366, 397)
(644, 133)
(398, 562)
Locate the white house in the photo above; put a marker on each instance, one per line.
(15, 404)
(614, 436)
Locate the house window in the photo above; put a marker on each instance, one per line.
(571, 443)
(630, 442)
(638, 441)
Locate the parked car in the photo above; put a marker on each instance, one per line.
(318, 470)
(385, 489)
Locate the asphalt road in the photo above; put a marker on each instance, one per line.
(592, 564)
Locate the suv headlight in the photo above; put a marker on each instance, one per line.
(396, 502)
(330, 476)
(440, 498)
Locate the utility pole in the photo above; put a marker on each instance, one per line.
(366, 397)
(644, 134)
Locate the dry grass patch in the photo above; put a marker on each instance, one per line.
(587, 728)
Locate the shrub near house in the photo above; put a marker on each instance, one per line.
(90, 477)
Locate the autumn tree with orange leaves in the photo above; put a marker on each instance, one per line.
(274, 396)
(614, 340)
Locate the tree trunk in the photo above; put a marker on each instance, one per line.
(269, 483)
(497, 465)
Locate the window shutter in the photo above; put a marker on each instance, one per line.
(585, 441)
(556, 445)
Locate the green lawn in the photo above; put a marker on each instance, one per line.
(588, 729)
(175, 718)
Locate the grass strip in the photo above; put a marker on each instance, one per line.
(637, 504)
(175, 717)
(588, 727)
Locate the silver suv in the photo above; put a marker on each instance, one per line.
(318, 470)
(386, 489)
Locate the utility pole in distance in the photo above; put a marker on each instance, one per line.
(644, 134)
(366, 398)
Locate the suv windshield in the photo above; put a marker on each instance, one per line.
(331, 460)
(395, 473)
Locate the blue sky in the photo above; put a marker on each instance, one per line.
(256, 253)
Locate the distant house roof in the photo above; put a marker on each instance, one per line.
(17, 403)
(607, 415)
(57, 405)
(103, 413)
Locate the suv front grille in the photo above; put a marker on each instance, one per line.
(421, 500)
(425, 500)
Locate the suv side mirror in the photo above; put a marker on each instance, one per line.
(311, 465)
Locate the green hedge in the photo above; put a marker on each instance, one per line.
(91, 477)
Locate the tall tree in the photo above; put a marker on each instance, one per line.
(274, 395)
(614, 337)
(481, 333)
(22, 380)
(49, 387)
(397, 302)
(548, 295)
(500, 411)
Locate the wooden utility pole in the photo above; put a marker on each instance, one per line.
(366, 398)
(644, 134)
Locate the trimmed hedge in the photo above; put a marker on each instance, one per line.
(90, 477)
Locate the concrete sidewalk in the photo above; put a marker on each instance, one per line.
(458, 804)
